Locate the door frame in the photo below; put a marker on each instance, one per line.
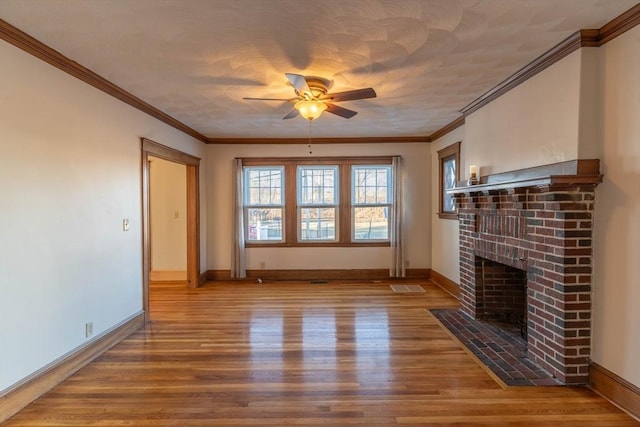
(192, 163)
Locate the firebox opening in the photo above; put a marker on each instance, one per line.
(503, 297)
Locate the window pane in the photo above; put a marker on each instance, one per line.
(317, 185)
(264, 224)
(317, 223)
(371, 223)
(371, 184)
(263, 186)
(449, 181)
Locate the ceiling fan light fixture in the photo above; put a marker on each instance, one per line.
(310, 109)
(312, 98)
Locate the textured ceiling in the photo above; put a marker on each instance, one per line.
(196, 59)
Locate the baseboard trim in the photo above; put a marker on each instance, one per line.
(445, 283)
(619, 391)
(334, 274)
(203, 278)
(40, 382)
(168, 275)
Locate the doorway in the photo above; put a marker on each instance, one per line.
(167, 221)
(150, 150)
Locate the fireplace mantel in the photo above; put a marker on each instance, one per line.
(569, 173)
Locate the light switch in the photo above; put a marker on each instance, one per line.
(125, 224)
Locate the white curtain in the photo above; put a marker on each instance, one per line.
(396, 238)
(238, 258)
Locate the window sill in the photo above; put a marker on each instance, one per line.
(317, 245)
(448, 215)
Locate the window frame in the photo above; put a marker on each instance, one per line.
(388, 204)
(444, 155)
(246, 206)
(300, 205)
(343, 217)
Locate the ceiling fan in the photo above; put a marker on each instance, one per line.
(312, 98)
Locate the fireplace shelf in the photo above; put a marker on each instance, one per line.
(569, 173)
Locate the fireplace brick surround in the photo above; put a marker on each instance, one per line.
(538, 220)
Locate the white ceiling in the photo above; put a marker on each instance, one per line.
(196, 59)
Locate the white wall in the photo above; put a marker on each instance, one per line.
(534, 124)
(616, 293)
(590, 128)
(445, 253)
(70, 173)
(416, 202)
(168, 213)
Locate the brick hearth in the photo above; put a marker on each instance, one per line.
(539, 221)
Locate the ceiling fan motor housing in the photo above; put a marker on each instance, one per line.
(318, 87)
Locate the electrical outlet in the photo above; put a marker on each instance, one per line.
(263, 265)
(88, 329)
(125, 224)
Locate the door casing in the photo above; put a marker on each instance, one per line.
(192, 163)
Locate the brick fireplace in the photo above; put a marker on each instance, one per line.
(525, 254)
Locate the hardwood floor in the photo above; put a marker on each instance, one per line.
(297, 353)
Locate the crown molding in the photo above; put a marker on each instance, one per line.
(550, 57)
(361, 140)
(447, 128)
(582, 38)
(23, 41)
(620, 25)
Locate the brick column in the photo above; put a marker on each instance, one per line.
(469, 268)
(559, 281)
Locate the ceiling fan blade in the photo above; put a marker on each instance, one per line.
(340, 111)
(299, 83)
(293, 113)
(351, 95)
(270, 99)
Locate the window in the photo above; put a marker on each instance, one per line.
(371, 193)
(317, 201)
(449, 170)
(264, 203)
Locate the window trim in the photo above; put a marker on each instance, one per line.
(335, 205)
(388, 204)
(246, 207)
(452, 151)
(343, 219)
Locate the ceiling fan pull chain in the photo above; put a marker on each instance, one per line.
(310, 150)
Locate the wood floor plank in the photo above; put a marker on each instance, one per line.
(294, 353)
